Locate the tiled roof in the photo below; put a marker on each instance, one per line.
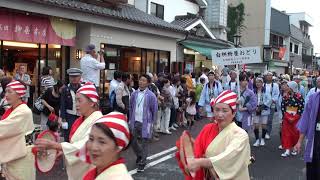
(307, 42)
(296, 33)
(124, 12)
(184, 21)
(216, 42)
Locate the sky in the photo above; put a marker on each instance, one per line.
(311, 7)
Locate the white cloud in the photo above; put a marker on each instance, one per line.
(311, 7)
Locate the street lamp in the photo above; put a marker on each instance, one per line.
(236, 40)
(291, 63)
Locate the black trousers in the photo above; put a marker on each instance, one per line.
(313, 170)
(139, 144)
(173, 116)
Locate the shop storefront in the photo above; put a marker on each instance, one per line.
(134, 41)
(197, 53)
(135, 60)
(127, 50)
(280, 67)
(34, 41)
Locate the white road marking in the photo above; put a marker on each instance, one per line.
(162, 153)
(153, 163)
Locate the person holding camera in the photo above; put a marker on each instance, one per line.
(263, 110)
(91, 64)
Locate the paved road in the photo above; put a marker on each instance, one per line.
(162, 165)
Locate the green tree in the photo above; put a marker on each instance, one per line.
(235, 20)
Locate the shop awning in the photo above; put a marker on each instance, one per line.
(204, 46)
(206, 51)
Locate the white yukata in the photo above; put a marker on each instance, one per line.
(116, 172)
(77, 168)
(229, 153)
(16, 157)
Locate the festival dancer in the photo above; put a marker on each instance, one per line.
(109, 136)
(16, 127)
(87, 105)
(222, 149)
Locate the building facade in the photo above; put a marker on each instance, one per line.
(205, 22)
(133, 41)
(296, 41)
(304, 22)
(278, 60)
(257, 22)
(216, 15)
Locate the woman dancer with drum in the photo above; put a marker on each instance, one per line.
(109, 136)
(87, 105)
(16, 127)
(222, 149)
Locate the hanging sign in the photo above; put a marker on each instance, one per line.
(247, 55)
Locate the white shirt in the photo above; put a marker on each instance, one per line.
(139, 106)
(233, 86)
(205, 78)
(91, 69)
(113, 85)
(259, 97)
(26, 79)
(173, 90)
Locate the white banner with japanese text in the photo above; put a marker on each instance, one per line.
(247, 55)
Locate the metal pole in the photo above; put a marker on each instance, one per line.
(238, 80)
(291, 67)
(1, 55)
(39, 67)
(47, 55)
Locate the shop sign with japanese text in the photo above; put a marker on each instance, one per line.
(36, 29)
(247, 55)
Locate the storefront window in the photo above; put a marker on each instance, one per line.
(54, 59)
(16, 54)
(151, 65)
(135, 60)
(164, 63)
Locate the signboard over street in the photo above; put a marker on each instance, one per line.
(247, 55)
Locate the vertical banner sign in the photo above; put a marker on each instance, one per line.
(282, 52)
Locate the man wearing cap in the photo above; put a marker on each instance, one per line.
(273, 89)
(313, 90)
(301, 88)
(68, 111)
(91, 66)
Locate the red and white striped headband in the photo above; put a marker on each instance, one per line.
(90, 91)
(226, 97)
(117, 123)
(18, 87)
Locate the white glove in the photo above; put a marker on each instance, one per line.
(64, 125)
